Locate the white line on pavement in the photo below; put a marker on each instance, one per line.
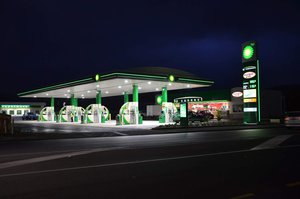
(53, 157)
(131, 162)
(36, 153)
(118, 133)
(273, 142)
(120, 163)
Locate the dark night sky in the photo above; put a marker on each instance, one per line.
(47, 42)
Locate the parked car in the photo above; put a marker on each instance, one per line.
(200, 116)
(30, 116)
(292, 119)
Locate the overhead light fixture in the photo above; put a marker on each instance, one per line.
(157, 89)
(170, 84)
(82, 95)
(119, 86)
(126, 81)
(140, 88)
(188, 86)
(88, 91)
(65, 94)
(98, 86)
(69, 91)
(149, 83)
(34, 96)
(106, 92)
(47, 94)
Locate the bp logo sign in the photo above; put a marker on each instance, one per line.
(159, 99)
(97, 77)
(248, 52)
(171, 78)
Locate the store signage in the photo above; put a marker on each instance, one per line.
(15, 106)
(188, 99)
(249, 75)
(251, 92)
(237, 94)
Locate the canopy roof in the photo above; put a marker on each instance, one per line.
(148, 79)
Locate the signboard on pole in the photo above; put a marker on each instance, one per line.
(184, 120)
(251, 83)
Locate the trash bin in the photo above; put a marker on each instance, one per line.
(76, 118)
(118, 119)
(103, 119)
(140, 119)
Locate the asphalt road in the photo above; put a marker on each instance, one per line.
(251, 163)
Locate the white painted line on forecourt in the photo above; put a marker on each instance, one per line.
(273, 142)
(53, 157)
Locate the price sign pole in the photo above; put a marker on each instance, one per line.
(251, 83)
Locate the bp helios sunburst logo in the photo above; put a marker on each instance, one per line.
(248, 52)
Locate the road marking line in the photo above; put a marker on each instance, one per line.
(53, 157)
(294, 184)
(118, 164)
(273, 142)
(247, 195)
(36, 153)
(132, 162)
(118, 133)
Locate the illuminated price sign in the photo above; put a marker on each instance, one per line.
(251, 92)
(183, 110)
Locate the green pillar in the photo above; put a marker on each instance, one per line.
(135, 93)
(74, 101)
(52, 102)
(98, 97)
(164, 95)
(126, 97)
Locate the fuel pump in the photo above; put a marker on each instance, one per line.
(95, 113)
(47, 114)
(71, 113)
(167, 113)
(129, 114)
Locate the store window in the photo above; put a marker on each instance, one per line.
(26, 111)
(11, 112)
(237, 108)
(19, 112)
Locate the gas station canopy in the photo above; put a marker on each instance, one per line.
(148, 79)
